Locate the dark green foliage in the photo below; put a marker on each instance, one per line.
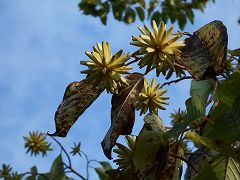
(126, 10)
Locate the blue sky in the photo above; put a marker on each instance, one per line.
(41, 44)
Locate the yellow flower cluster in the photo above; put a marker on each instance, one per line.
(107, 68)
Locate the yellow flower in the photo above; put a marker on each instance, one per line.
(151, 97)
(36, 143)
(125, 154)
(105, 68)
(157, 46)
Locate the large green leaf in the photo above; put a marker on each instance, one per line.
(195, 108)
(222, 168)
(57, 169)
(229, 89)
(226, 122)
(202, 89)
(151, 148)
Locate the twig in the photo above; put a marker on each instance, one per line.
(64, 150)
(87, 166)
(37, 174)
(199, 153)
(75, 172)
(176, 80)
(186, 161)
(182, 33)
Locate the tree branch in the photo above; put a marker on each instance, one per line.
(87, 166)
(176, 80)
(74, 172)
(63, 149)
(186, 161)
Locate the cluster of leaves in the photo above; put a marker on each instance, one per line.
(157, 153)
(211, 119)
(127, 10)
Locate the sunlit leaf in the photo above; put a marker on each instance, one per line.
(200, 140)
(151, 149)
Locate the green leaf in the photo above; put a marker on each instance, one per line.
(142, 3)
(152, 5)
(103, 12)
(57, 169)
(221, 168)
(129, 16)
(190, 15)
(227, 122)
(202, 89)
(101, 171)
(34, 173)
(195, 108)
(34, 170)
(176, 130)
(182, 20)
(200, 140)
(156, 16)
(229, 89)
(150, 143)
(106, 165)
(117, 11)
(140, 12)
